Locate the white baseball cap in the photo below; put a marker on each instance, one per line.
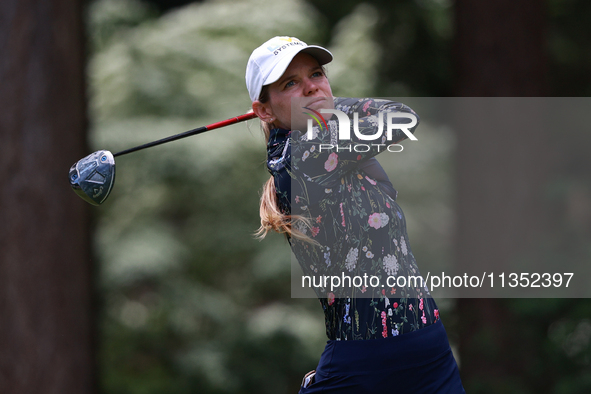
(268, 62)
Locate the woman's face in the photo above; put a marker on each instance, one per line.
(303, 84)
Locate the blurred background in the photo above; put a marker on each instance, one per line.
(164, 289)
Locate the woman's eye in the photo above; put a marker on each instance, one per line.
(289, 84)
(317, 74)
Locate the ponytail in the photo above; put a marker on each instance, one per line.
(271, 217)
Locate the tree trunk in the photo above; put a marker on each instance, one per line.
(45, 269)
(498, 51)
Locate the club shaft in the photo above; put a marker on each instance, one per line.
(217, 125)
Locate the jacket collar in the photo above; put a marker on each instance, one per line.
(277, 136)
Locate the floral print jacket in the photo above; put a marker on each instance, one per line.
(356, 226)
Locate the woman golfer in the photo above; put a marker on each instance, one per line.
(338, 209)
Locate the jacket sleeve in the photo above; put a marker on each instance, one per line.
(325, 157)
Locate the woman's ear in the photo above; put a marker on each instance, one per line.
(263, 112)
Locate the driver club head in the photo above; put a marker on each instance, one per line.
(92, 177)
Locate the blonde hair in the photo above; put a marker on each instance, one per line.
(271, 216)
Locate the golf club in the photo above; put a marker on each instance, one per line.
(93, 177)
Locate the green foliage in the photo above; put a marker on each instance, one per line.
(410, 43)
(568, 48)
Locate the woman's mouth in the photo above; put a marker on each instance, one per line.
(318, 103)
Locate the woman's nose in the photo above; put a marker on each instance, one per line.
(310, 87)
